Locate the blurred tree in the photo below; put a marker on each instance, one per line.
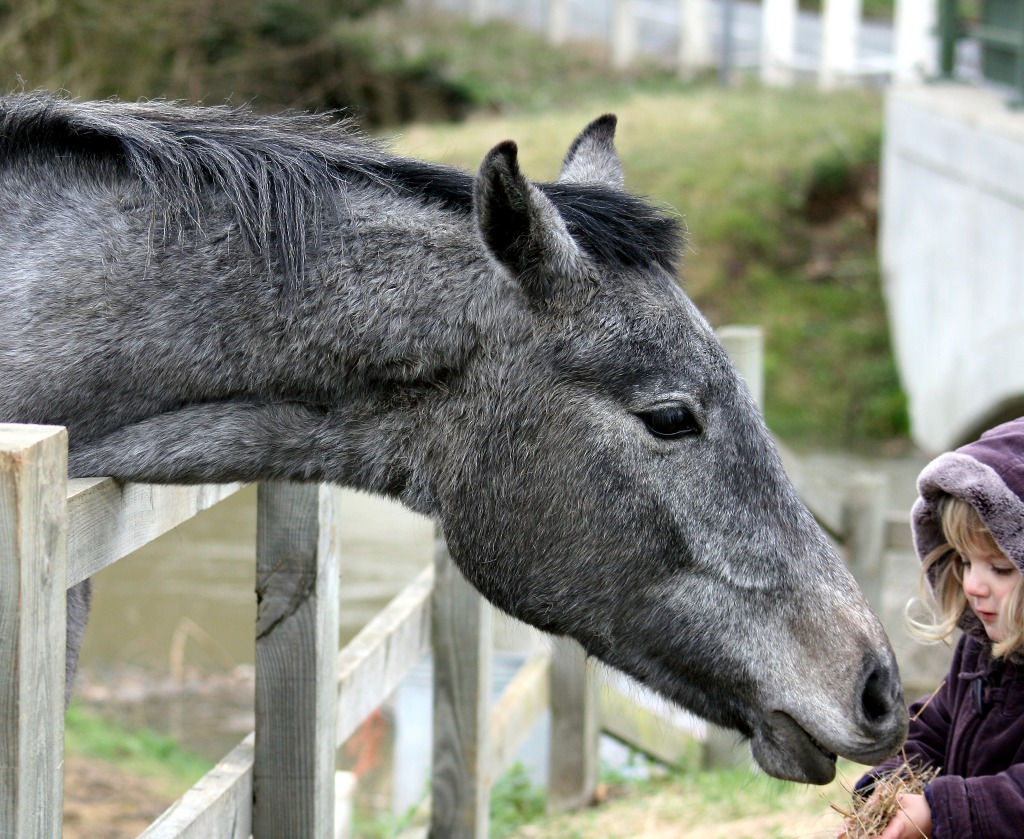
(271, 52)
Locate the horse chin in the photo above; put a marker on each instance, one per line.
(785, 750)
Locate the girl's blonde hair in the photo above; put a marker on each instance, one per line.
(941, 581)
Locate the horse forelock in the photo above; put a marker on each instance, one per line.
(284, 174)
(617, 228)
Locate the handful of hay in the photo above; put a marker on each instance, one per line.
(871, 815)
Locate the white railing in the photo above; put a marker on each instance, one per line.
(774, 38)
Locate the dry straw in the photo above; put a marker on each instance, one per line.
(873, 813)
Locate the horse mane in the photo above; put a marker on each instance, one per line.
(281, 173)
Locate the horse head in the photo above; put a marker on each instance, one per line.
(602, 472)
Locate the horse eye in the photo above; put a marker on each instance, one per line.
(670, 422)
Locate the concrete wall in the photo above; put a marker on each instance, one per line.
(952, 250)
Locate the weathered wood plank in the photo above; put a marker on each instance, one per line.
(108, 520)
(522, 704)
(826, 507)
(898, 533)
(33, 565)
(646, 731)
(373, 663)
(220, 803)
(461, 633)
(864, 519)
(572, 758)
(745, 346)
(296, 661)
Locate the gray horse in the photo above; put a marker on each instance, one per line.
(203, 294)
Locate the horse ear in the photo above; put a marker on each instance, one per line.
(592, 157)
(520, 225)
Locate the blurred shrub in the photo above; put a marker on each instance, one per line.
(386, 64)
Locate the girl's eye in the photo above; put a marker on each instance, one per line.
(1003, 571)
(670, 422)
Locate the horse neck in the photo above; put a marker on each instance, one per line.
(400, 292)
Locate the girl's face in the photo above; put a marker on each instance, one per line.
(988, 579)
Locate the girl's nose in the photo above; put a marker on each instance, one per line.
(974, 584)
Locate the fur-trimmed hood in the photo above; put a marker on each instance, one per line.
(989, 475)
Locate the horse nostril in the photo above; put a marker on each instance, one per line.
(876, 703)
(881, 693)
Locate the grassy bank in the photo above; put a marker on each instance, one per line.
(374, 57)
(721, 804)
(138, 752)
(778, 190)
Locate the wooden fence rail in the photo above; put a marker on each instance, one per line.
(311, 697)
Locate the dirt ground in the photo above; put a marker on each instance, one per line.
(104, 802)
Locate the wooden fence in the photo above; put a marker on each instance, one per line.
(280, 780)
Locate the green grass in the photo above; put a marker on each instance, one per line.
(776, 190)
(282, 54)
(515, 801)
(498, 66)
(684, 805)
(144, 753)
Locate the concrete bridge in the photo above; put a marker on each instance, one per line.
(952, 248)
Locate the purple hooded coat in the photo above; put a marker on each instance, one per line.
(973, 726)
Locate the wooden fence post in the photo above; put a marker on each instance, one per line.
(863, 519)
(840, 22)
(778, 40)
(296, 661)
(694, 38)
(623, 35)
(33, 586)
(461, 637)
(575, 728)
(745, 346)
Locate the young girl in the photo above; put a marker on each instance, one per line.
(969, 532)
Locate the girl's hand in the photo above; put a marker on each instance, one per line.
(912, 821)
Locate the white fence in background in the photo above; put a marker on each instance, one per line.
(774, 38)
